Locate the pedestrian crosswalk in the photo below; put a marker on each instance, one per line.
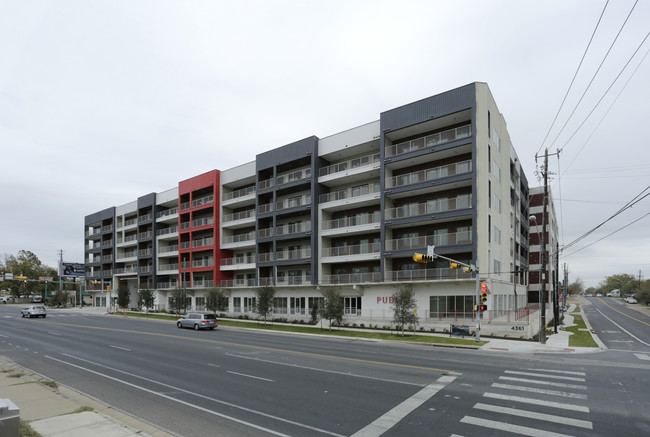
(532, 402)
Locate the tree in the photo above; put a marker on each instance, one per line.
(178, 300)
(576, 287)
(333, 306)
(216, 300)
(404, 304)
(628, 284)
(314, 311)
(59, 298)
(264, 305)
(146, 299)
(123, 297)
(25, 264)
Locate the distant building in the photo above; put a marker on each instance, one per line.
(535, 262)
(348, 210)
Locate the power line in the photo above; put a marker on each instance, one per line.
(596, 73)
(574, 77)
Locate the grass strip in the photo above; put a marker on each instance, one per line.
(378, 335)
(581, 336)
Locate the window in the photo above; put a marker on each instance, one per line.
(236, 304)
(451, 306)
(497, 171)
(297, 305)
(489, 158)
(280, 305)
(249, 305)
(497, 203)
(497, 235)
(489, 124)
(352, 306)
(463, 234)
(315, 301)
(497, 267)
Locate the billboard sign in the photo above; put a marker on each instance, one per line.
(73, 269)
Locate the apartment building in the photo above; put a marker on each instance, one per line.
(347, 211)
(536, 209)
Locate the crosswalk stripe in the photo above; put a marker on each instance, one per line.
(563, 378)
(551, 383)
(540, 391)
(642, 356)
(523, 430)
(534, 415)
(567, 372)
(561, 405)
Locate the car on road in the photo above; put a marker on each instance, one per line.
(198, 321)
(33, 311)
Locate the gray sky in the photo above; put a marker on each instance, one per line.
(105, 101)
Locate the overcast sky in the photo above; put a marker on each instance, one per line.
(105, 101)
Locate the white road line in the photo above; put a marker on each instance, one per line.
(537, 381)
(566, 372)
(178, 389)
(540, 391)
(535, 415)
(316, 369)
(120, 347)
(523, 430)
(53, 333)
(542, 403)
(564, 378)
(624, 330)
(392, 417)
(250, 376)
(642, 356)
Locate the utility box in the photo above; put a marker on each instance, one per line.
(9, 419)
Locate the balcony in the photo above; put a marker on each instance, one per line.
(357, 249)
(241, 218)
(429, 141)
(145, 218)
(202, 222)
(206, 200)
(267, 183)
(430, 174)
(167, 213)
(238, 263)
(350, 225)
(171, 267)
(293, 228)
(415, 243)
(351, 278)
(202, 242)
(434, 274)
(430, 207)
(232, 283)
(295, 176)
(198, 263)
(345, 197)
(293, 202)
(167, 249)
(167, 231)
(355, 163)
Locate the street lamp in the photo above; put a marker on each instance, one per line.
(542, 280)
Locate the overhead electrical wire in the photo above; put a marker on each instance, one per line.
(574, 77)
(631, 203)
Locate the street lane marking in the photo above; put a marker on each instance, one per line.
(316, 369)
(392, 417)
(535, 415)
(621, 312)
(249, 376)
(643, 357)
(178, 389)
(540, 391)
(566, 372)
(334, 357)
(561, 405)
(551, 383)
(564, 378)
(626, 331)
(120, 347)
(523, 430)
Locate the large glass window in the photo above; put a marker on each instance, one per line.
(352, 305)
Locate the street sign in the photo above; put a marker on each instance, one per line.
(9, 276)
(430, 251)
(20, 278)
(45, 278)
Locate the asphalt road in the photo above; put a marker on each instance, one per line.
(233, 382)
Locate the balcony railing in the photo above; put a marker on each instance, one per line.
(203, 242)
(346, 222)
(293, 280)
(430, 174)
(166, 231)
(239, 193)
(351, 192)
(298, 175)
(203, 201)
(239, 216)
(293, 202)
(268, 183)
(357, 249)
(239, 282)
(265, 233)
(203, 262)
(167, 249)
(170, 211)
(145, 218)
(422, 242)
(167, 267)
(431, 207)
(429, 140)
(202, 222)
(434, 274)
(351, 278)
(250, 236)
(348, 165)
(293, 254)
(293, 228)
(238, 260)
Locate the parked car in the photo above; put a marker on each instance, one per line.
(37, 299)
(33, 311)
(198, 321)
(7, 299)
(630, 299)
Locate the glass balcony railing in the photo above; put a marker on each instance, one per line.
(351, 192)
(351, 164)
(238, 193)
(422, 242)
(357, 220)
(429, 140)
(357, 249)
(430, 174)
(430, 207)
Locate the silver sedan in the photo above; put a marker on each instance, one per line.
(33, 311)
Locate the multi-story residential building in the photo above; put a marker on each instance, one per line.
(536, 209)
(346, 211)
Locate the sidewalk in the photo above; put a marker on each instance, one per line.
(57, 411)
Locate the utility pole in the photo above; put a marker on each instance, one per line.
(542, 303)
(61, 270)
(556, 298)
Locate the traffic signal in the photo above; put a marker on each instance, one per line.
(420, 258)
(482, 307)
(484, 292)
(454, 265)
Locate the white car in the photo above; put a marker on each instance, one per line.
(630, 300)
(33, 311)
